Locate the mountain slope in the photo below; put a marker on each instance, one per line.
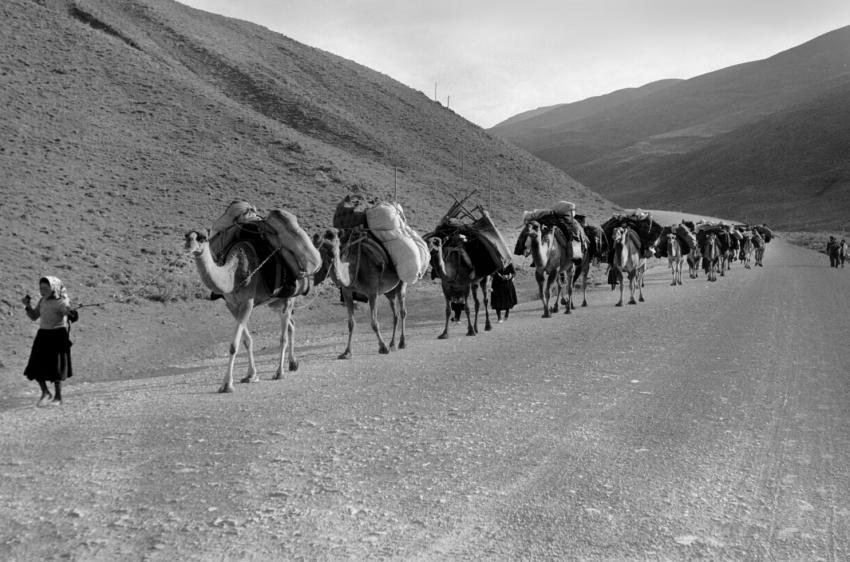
(128, 123)
(789, 168)
(623, 151)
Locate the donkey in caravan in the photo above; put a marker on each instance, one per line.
(627, 261)
(458, 277)
(675, 258)
(711, 256)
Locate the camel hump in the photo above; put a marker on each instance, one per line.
(293, 243)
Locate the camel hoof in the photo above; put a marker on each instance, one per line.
(250, 378)
(392, 346)
(584, 304)
(619, 303)
(384, 350)
(344, 355)
(568, 309)
(641, 299)
(277, 376)
(402, 344)
(293, 365)
(487, 327)
(632, 301)
(443, 336)
(225, 389)
(471, 333)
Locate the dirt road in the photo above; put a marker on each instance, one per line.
(712, 422)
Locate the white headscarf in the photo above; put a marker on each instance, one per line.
(57, 288)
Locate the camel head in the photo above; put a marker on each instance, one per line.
(328, 244)
(329, 238)
(533, 229)
(196, 241)
(435, 244)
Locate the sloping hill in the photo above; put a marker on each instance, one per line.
(789, 169)
(127, 123)
(622, 151)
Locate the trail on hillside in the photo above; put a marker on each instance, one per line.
(711, 421)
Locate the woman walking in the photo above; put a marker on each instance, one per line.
(50, 358)
(503, 295)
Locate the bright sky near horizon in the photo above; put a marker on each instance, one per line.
(493, 59)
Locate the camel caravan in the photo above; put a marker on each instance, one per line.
(249, 260)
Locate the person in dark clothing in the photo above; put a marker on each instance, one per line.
(503, 293)
(50, 358)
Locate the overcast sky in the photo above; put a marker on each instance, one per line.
(492, 59)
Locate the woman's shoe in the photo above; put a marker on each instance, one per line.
(45, 399)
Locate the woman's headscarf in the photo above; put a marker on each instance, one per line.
(57, 288)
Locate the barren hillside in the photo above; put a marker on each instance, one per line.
(127, 123)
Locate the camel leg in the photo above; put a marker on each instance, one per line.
(485, 295)
(293, 362)
(554, 279)
(640, 273)
(349, 306)
(402, 310)
(241, 314)
(287, 334)
(391, 298)
(474, 324)
(373, 317)
(543, 294)
(546, 297)
(633, 280)
(620, 281)
(397, 306)
(568, 291)
(248, 342)
(584, 286)
(445, 333)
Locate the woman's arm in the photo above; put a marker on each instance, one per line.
(33, 313)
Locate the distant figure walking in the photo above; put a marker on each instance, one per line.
(50, 358)
(837, 252)
(503, 294)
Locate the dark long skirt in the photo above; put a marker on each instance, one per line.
(503, 295)
(50, 358)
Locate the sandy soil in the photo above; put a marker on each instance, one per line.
(711, 422)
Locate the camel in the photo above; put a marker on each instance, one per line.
(694, 263)
(627, 260)
(597, 250)
(364, 267)
(723, 241)
(759, 243)
(675, 258)
(552, 260)
(243, 289)
(711, 256)
(458, 278)
(747, 249)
